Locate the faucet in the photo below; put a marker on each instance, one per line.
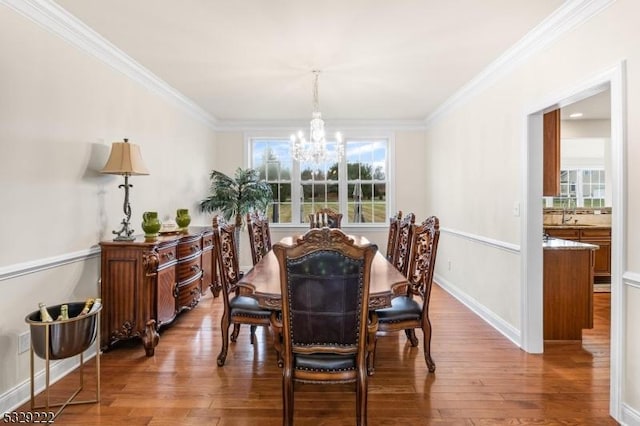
(565, 218)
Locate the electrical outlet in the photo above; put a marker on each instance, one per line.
(449, 265)
(24, 342)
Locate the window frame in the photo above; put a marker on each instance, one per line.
(348, 136)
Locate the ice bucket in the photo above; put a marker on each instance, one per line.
(67, 338)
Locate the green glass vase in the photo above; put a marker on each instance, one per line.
(183, 219)
(150, 224)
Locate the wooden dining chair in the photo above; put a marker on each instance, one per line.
(392, 237)
(334, 219)
(259, 235)
(403, 243)
(412, 311)
(324, 279)
(238, 309)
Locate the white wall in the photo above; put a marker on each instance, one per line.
(60, 109)
(474, 151)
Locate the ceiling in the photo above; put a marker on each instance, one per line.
(252, 60)
(595, 107)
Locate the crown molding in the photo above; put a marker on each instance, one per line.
(57, 20)
(289, 125)
(568, 16)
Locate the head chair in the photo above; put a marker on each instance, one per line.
(333, 219)
(324, 280)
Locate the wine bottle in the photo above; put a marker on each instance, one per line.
(44, 313)
(87, 306)
(96, 305)
(64, 313)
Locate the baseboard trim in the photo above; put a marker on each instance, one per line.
(630, 417)
(503, 327)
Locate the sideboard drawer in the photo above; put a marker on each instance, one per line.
(188, 269)
(166, 255)
(189, 247)
(207, 240)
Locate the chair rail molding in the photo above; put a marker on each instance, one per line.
(39, 265)
(502, 245)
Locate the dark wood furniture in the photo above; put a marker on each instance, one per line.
(262, 282)
(324, 280)
(403, 243)
(551, 153)
(392, 237)
(333, 219)
(238, 309)
(259, 235)
(412, 311)
(146, 284)
(567, 289)
(591, 234)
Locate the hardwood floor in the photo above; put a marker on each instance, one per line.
(481, 379)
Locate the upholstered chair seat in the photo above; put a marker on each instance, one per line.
(325, 362)
(243, 306)
(402, 308)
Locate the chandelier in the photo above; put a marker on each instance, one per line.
(315, 149)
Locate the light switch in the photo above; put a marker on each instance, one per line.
(516, 209)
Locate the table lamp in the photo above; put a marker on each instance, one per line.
(125, 160)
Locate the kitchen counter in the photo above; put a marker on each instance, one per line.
(575, 226)
(567, 288)
(559, 244)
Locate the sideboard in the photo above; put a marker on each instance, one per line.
(145, 283)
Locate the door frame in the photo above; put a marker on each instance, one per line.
(532, 219)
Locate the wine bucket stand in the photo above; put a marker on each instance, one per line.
(63, 339)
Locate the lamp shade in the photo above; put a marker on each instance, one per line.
(125, 159)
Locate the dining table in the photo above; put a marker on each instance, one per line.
(262, 282)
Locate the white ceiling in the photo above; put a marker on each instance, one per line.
(252, 59)
(596, 107)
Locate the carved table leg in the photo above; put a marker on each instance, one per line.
(150, 337)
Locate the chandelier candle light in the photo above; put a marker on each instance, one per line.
(315, 149)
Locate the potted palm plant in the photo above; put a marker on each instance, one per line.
(236, 196)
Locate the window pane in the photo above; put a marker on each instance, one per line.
(321, 183)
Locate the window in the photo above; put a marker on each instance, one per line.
(356, 186)
(581, 188)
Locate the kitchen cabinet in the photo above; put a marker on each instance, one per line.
(567, 289)
(551, 154)
(598, 235)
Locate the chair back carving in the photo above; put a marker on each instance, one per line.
(324, 279)
(424, 242)
(403, 243)
(334, 219)
(259, 235)
(392, 239)
(224, 238)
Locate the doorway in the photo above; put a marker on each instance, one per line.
(532, 220)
